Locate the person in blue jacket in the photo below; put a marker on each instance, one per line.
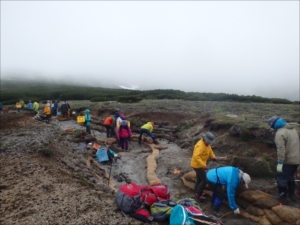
(30, 105)
(230, 177)
(88, 121)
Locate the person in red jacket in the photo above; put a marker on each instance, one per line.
(109, 124)
(124, 135)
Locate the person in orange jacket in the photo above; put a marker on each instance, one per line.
(109, 124)
(202, 151)
(47, 113)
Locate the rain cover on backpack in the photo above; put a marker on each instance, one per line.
(179, 216)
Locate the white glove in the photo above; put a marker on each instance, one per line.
(279, 167)
(237, 211)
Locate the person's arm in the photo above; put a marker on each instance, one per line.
(231, 189)
(212, 154)
(280, 144)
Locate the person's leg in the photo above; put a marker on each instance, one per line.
(122, 143)
(88, 129)
(217, 197)
(289, 171)
(281, 180)
(202, 184)
(107, 131)
(142, 131)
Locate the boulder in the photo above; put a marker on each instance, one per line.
(264, 221)
(256, 167)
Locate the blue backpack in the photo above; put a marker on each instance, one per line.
(179, 216)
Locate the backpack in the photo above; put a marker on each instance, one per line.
(179, 216)
(186, 202)
(190, 213)
(161, 210)
(128, 198)
(154, 193)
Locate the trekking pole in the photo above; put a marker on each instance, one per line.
(110, 172)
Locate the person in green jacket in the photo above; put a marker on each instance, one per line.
(22, 103)
(147, 129)
(36, 107)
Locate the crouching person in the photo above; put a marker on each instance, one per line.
(47, 113)
(230, 177)
(147, 129)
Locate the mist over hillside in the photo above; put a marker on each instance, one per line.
(291, 94)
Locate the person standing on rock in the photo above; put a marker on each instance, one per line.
(288, 157)
(202, 151)
(230, 177)
(88, 121)
(147, 129)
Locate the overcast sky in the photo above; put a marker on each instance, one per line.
(234, 47)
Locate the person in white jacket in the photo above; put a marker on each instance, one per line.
(288, 157)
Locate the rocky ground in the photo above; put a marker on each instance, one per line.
(46, 176)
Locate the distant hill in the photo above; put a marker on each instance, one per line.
(15, 90)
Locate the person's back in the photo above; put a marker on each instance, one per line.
(36, 106)
(124, 130)
(108, 121)
(30, 105)
(287, 142)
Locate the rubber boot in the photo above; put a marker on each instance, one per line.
(216, 206)
(283, 195)
(291, 190)
(213, 197)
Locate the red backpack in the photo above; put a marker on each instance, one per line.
(154, 193)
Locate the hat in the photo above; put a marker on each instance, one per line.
(87, 110)
(246, 179)
(208, 137)
(272, 121)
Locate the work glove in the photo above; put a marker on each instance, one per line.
(279, 167)
(205, 168)
(237, 211)
(214, 159)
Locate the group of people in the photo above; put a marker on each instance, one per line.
(117, 126)
(288, 160)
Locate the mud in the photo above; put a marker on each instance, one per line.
(44, 177)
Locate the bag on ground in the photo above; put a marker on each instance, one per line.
(179, 216)
(161, 210)
(142, 214)
(154, 193)
(128, 198)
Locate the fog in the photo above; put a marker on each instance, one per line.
(234, 47)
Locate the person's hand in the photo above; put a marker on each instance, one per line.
(205, 168)
(279, 167)
(214, 159)
(237, 211)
